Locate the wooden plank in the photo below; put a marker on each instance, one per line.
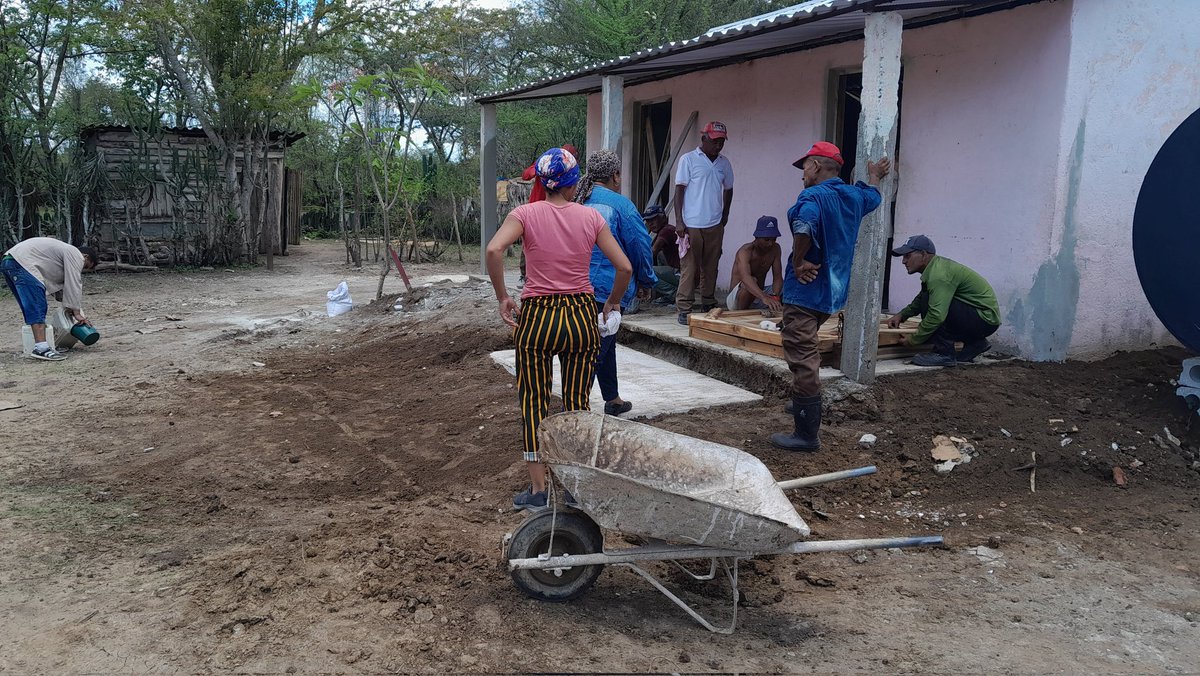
(739, 313)
(741, 329)
(737, 341)
(729, 328)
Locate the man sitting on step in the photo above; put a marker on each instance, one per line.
(956, 304)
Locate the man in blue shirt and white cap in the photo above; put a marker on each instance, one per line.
(824, 222)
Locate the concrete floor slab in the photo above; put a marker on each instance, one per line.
(665, 327)
(654, 386)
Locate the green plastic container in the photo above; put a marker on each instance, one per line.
(85, 334)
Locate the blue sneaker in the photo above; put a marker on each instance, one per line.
(934, 359)
(682, 318)
(527, 499)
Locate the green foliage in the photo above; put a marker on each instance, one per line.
(599, 30)
(383, 91)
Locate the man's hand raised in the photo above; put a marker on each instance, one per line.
(877, 170)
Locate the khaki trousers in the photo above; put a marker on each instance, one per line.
(698, 268)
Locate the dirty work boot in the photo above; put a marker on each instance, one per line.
(972, 350)
(934, 359)
(806, 412)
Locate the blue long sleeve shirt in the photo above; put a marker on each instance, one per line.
(627, 226)
(830, 213)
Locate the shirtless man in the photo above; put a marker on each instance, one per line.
(750, 266)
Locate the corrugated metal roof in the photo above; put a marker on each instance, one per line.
(803, 26)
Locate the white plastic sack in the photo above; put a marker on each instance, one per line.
(610, 327)
(339, 301)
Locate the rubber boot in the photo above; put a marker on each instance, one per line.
(806, 412)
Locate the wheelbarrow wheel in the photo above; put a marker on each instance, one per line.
(574, 534)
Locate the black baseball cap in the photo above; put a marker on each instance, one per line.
(915, 243)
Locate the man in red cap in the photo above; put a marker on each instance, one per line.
(824, 222)
(703, 193)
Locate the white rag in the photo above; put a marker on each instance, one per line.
(684, 242)
(609, 328)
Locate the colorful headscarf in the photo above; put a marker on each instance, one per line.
(557, 169)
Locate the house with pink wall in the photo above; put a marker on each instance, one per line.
(1023, 133)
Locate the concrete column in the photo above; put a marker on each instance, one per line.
(612, 106)
(489, 220)
(876, 139)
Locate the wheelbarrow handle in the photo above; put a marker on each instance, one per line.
(826, 478)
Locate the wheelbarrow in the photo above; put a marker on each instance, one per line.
(680, 498)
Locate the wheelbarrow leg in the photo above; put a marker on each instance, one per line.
(730, 564)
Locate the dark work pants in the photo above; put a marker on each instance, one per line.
(802, 350)
(963, 324)
(606, 363)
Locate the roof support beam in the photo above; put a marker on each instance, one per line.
(489, 216)
(612, 106)
(876, 138)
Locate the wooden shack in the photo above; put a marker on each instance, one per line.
(155, 194)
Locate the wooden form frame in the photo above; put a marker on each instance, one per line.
(742, 329)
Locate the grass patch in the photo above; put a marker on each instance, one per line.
(70, 510)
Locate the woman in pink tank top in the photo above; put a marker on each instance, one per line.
(557, 315)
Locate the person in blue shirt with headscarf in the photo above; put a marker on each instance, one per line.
(824, 222)
(599, 189)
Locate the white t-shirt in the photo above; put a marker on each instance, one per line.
(706, 182)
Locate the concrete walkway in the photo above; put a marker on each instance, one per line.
(653, 386)
(665, 328)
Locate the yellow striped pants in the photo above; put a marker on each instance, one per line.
(550, 326)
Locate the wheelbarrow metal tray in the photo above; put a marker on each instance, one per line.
(641, 480)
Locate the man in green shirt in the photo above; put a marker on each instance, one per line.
(956, 304)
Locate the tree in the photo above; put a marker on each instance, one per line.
(384, 111)
(39, 40)
(600, 30)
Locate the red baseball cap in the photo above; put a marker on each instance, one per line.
(821, 149)
(715, 130)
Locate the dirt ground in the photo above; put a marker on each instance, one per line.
(256, 487)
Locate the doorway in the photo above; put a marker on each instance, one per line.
(845, 112)
(651, 152)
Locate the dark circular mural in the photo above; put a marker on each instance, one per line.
(1166, 233)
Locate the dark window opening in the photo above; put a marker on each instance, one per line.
(847, 111)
